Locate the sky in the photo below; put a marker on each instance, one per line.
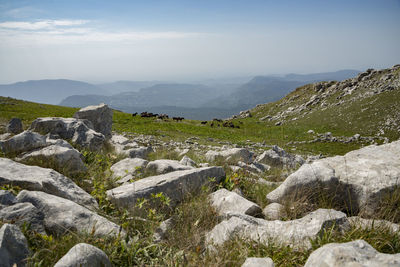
(182, 40)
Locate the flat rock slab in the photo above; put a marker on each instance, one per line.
(42, 179)
(62, 157)
(174, 185)
(225, 201)
(295, 233)
(162, 166)
(126, 169)
(62, 215)
(22, 213)
(25, 141)
(258, 262)
(84, 255)
(355, 253)
(80, 132)
(364, 176)
(13, 246)
(362, 223)
(100, 116)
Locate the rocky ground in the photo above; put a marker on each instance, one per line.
(50, 191)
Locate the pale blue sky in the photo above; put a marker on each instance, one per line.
(102, 41)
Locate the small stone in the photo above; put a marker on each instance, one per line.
(14, 126)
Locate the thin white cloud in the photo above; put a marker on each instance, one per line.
(40, 25)
(73, 31)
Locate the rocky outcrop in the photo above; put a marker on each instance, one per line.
(78, 131)
(41, 179)
(14, 126)
(231, 155)
(277, 157)
(355, 253)
(126, 169)
(63, 158)
(361, 178)
(258, 262)
(100, 116)
(84, 255)
(13, 246)
(25, 141)
(358, 222)
(174, 185)
(226, 202)
(62, 215)
(295, 233)
(24, 213)
(162, 166)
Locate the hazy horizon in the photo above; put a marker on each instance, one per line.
(103, 41)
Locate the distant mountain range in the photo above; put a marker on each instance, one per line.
(196, 101)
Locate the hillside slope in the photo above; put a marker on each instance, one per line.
(367, 104)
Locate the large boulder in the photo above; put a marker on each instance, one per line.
(126, 169)
(25, 141)
(100, 116)
(258, 262)
(22, 213)
(295, 233)
(84, 255)
(13, 246)
(14, 126)
(225, 201)
(174, 185)
(277, 157)
(355, 253)
(162, 166)
(361, 178)
(42, 179)
(63, 158)
(230, 155)
(62, 215)
(80, 132)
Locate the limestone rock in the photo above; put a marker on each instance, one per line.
(42, 179)
(355, 253)
(258, 262)
(140, 152)
(23, 142)
(296, 233)
(100, 116)
(21, 213)
(187, 161)
(127, 168)
(78, 131)
(62, 215)
(162, 166)
(13, 246)
(362, 223)
(14, 126)
(225, 201)
(63, 157)
(162, 231)
(174, 185)
(84, 255)
(233, 154)
(274, 211)
(277, 157)
(7, 198)
(360, 178)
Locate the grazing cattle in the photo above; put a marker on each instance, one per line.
(147, 115)
(217, 120)
(134, 114)
(163, 117)
(178, 119)
(204, 122)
